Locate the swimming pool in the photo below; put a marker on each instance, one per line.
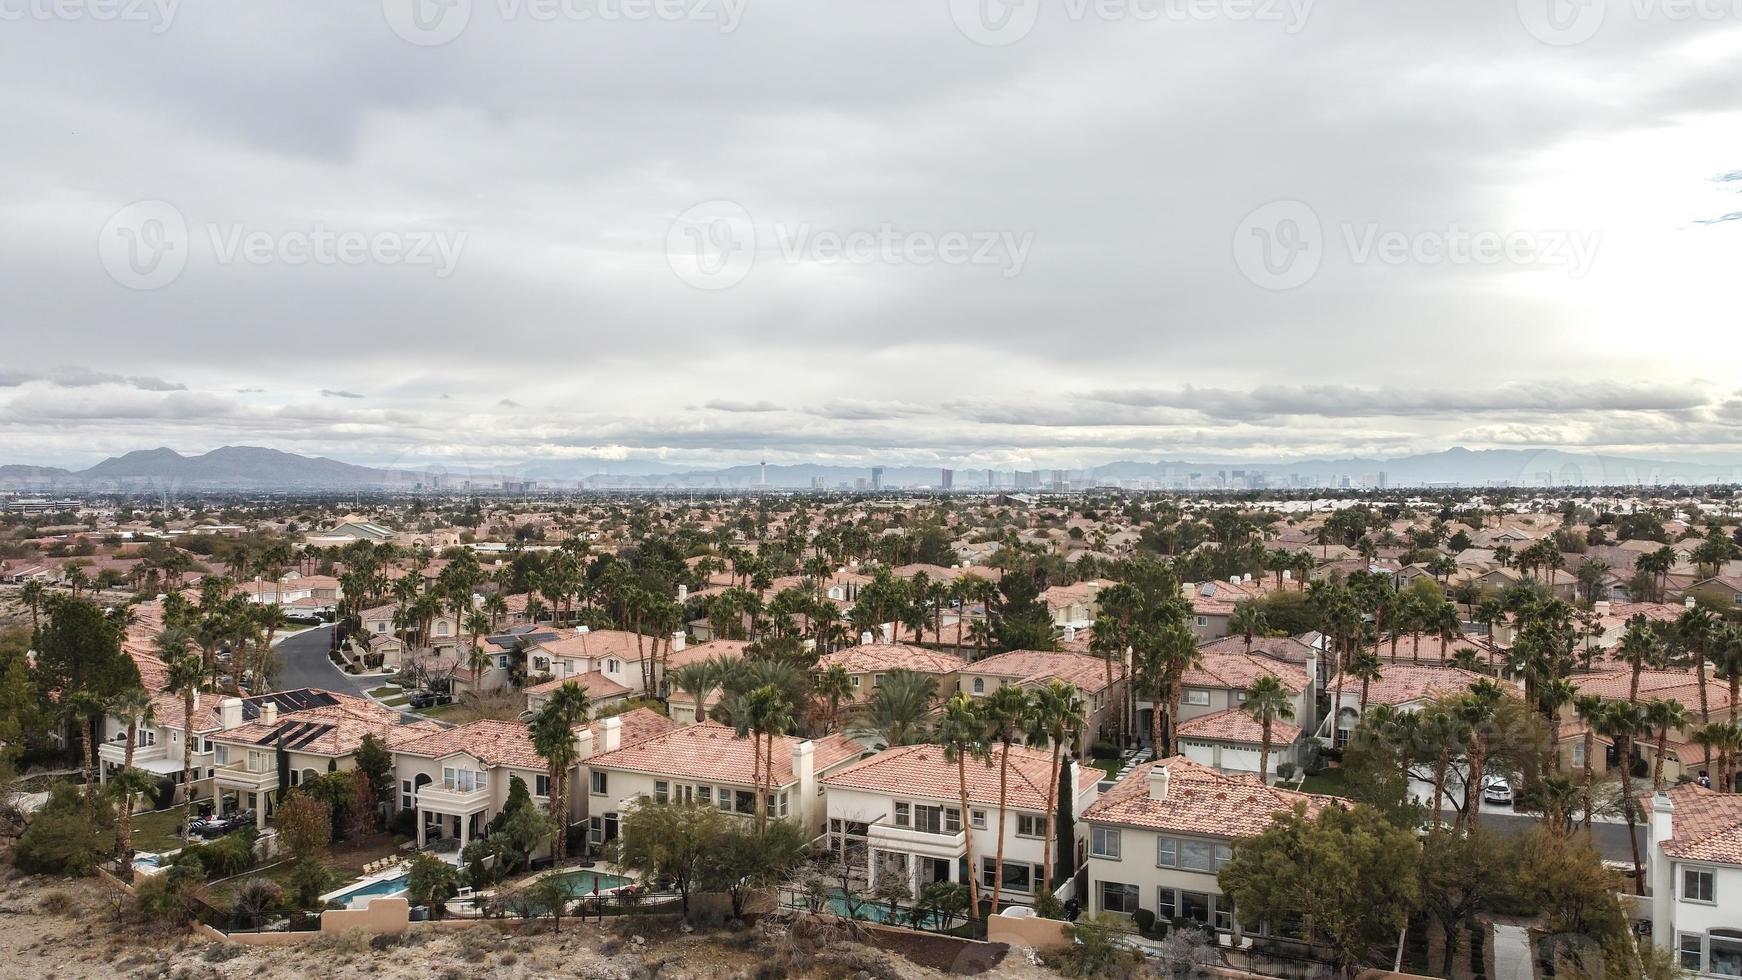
(373, 889)
(580, 883)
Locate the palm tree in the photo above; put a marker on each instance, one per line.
(1554, 695)
(962, 732)
(1589, 708)
(1621, 721)
(1248, 620)
(1727, 662)
(834, 686)
(695, 679)
(1444, 620)
(1366, 668)
(132, 705)
(268, 619)
(1055, 715)
(31, 593)
(1006, 712)
(1640, 648)
(553, 737)
(897, 711)
(1662, 715)
(187, 677)
(758, 714)
(1476, 710)
(1267, 701)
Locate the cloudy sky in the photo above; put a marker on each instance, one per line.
(1056, 232)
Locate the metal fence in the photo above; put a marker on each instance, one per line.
(859, 908)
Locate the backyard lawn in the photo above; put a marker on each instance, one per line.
(1331, 782)
(158, 831)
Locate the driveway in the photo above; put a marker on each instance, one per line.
(306, 664)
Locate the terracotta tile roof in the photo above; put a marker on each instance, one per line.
(1401, 683)
(496, 743)
(1200, 801)
(1218, 597)
(1288, 649)
(1424, 648)
(696, 653)
(1036, 667)
(1238, 671)
(639, 724)
(920, 770)
(868, 658)
(1613, 684)
(597, 685)
(332, 730)
(713, 751)
(597, 643)
(1707, 825)
(1235, 725)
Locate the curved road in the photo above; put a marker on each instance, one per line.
(306, 664)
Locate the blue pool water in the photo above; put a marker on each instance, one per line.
(375, 889)
(580, 883)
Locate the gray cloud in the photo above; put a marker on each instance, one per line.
(81, 377)
(338, 393)
(731, 405)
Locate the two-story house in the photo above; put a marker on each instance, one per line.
(1215, 689)
(1158, 838)
(899, 813)
(1029, 669)
(1695, 869)
(709, 763)
(867, 664)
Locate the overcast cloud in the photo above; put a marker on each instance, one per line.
(868, 230)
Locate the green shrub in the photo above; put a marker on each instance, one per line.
(62, 838)
(1104, 750)
(1145, 920)
(309, 880)
(159, 899)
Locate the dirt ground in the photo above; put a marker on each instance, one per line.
(70, 930)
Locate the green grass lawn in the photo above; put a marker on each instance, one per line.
(1110, 766)
(1331, 782)
(156, 832)
(442, 710)
(387, 691)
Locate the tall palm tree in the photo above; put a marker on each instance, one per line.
(695, 679)
(897, 712)
(268, 619)
(834, 686)
(1055, 715)
(753, 716)
(133, 706)
(962, 732)
(1695, 630)
(1366, 668)
(1006, 711)
(1267, 701)
(1476, 710)
(1589, 708)
(1248, 620)
(553, 737)
(1640, 648)
(187, 678)
(1662, 715)
(1622, 721)
(1727, 660)
(31, 592)
(1553, 696)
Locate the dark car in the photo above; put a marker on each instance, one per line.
(429, 699)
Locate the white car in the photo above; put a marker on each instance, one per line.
(1495, 789)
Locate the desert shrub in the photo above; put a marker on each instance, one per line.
(309, 880)
(57, 903)
(62, 838)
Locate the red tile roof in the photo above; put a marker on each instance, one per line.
(920, 770)
(1235, 725)
(713, 751)
(1200, 801)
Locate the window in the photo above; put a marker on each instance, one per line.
(903, 815)
(1203, 620)
(1194, 906)
(744, 801)
(661, 791)
(1017, 877)
(723, 799)
(1191, 855)
(405, 802)
(1579, 754)
(1118, 897)
(1166, 904)
(877, 680)
(979, 685)
(705, 795)
(463, 780)
(977, 818)
(1197, 697)
(855, 680)
(1104, 843)
(441, 627)
(502, 662)
(541, 785)
(1698, 885)
(1691, 952)
(1030, 825)
(612, 666)
(598, 782)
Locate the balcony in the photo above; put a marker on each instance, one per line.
(115, 753)
(945, 846)
(459, 802)
(238, 776)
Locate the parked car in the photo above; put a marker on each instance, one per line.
(1495, 789)
(429, 699)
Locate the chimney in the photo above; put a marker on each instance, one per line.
(678, 640)
(1246, 577)
(683, 592)
(1660, 869)
(1288, 575)
(1070, 634)
(583, 745)
(1601, 606)
(865, 637)
(1158, 782)
(583, 629)
(230, 713)
(196, 699)
(804, 777)
(269, 713)
(1186, 589)
(1688, 602)
(610, 734)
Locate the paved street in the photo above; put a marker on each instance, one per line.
(306, 664)
(1611, 837)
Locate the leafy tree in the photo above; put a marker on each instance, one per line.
(1349, 873)
(669, 841)
(1099, 950)
(431, 881)
(1020, 620)
(741, 860)
(305, 824)
(66, 837)
(1460, 875)
(309, 880)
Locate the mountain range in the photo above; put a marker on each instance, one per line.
(256, 468)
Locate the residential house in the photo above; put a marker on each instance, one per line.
(1404, 686)
(899, 813)
(1220, 680)
(1158, 838)
(868, 663)
(1695, 869)
(1030, 669)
